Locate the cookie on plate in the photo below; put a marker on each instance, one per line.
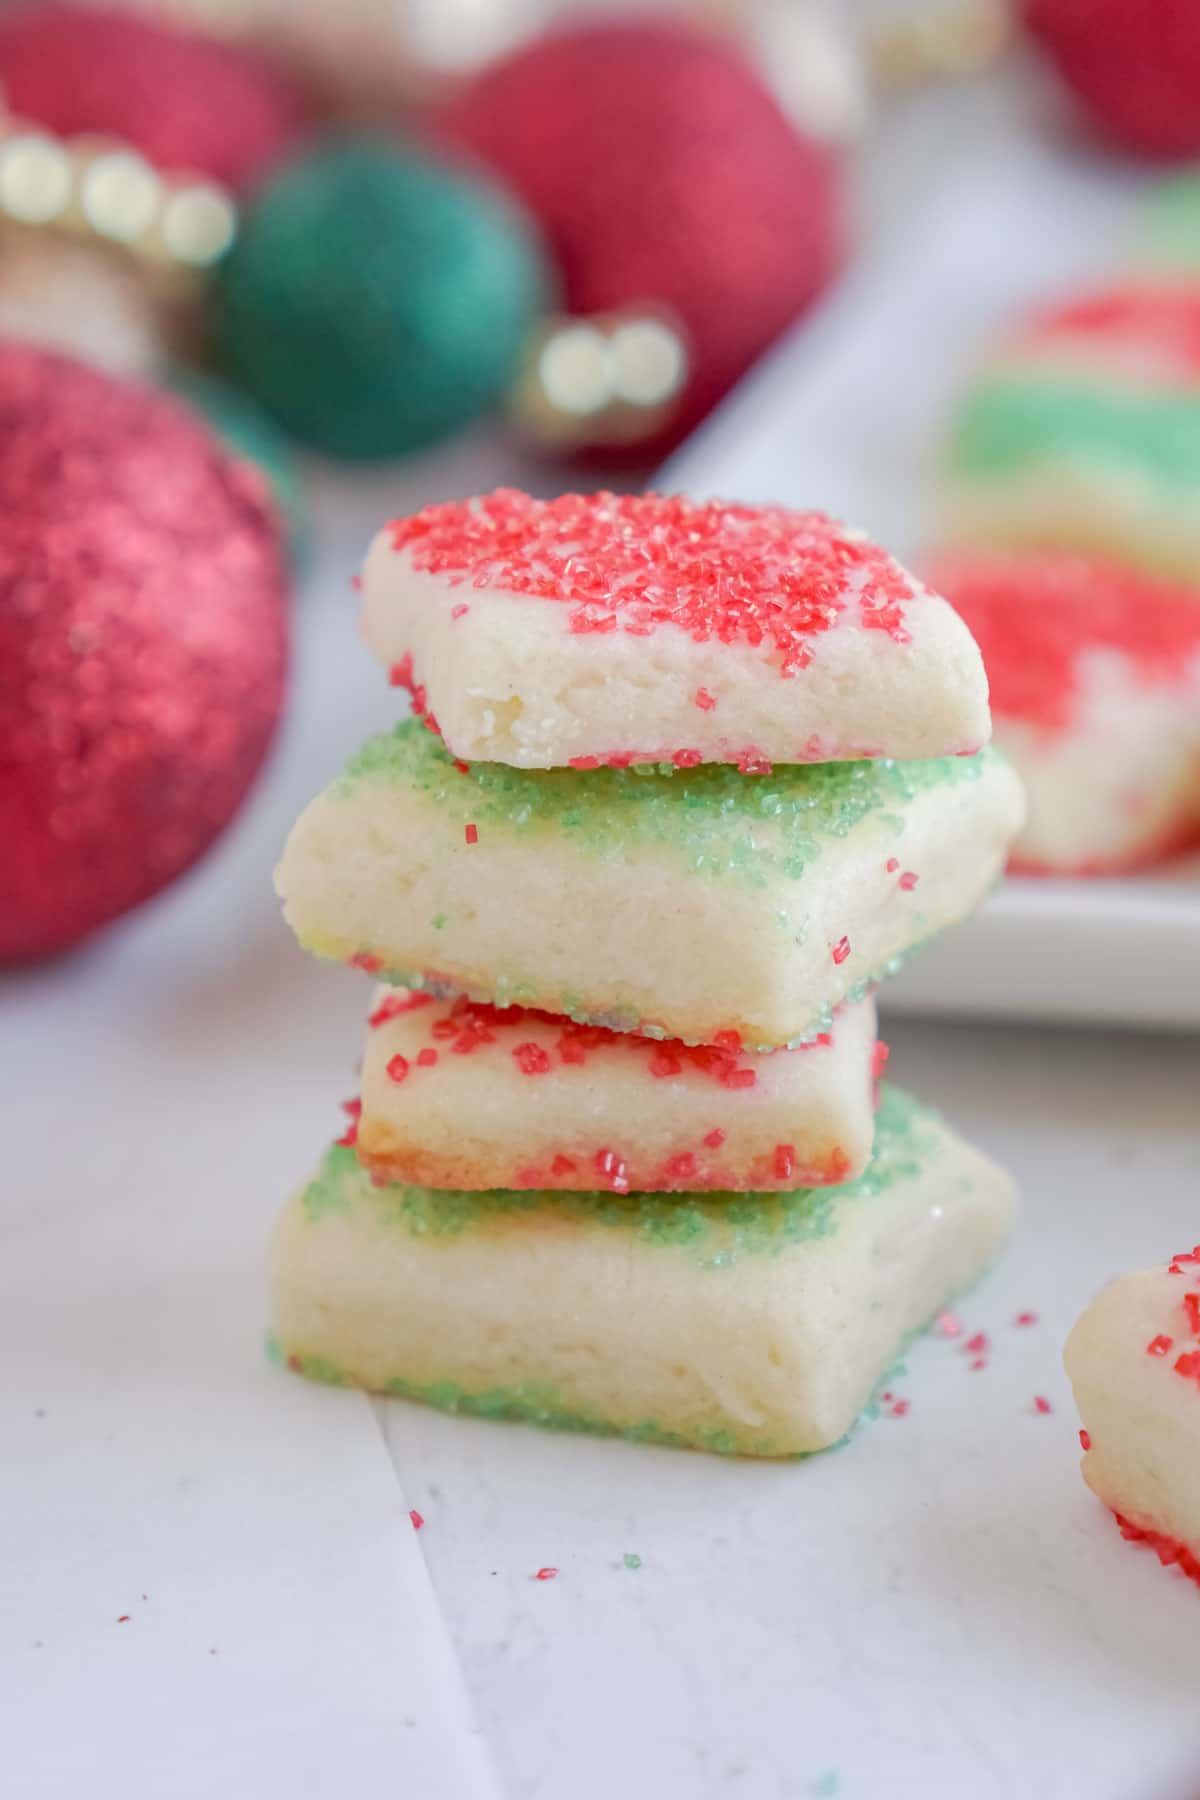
(1082, 431)
(1095, 677)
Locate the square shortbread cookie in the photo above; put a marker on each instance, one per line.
(459, 1095)
(756, 1323)
(681, 903)
(1134, 1362)
(1095, 675)
(603, 629)
(1081, 431)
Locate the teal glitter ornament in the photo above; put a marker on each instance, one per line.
(377, 298)
(249, 432)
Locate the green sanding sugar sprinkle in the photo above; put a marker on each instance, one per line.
(1008, 424)
(632, 1560)
(717, 1229)
(719, 820)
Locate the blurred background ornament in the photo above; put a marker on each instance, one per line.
(59, 293)
(251, 434)
(187, 103)
(676, 176)
(1133, 67)
(143, 637)
(664, 174)
(938, 40)
(601, 383)
(377, 298)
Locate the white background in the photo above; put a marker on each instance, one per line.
(938, 1609)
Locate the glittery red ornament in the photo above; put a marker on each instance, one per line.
(1134, 66)
(142, 644)
(662, 170)
(185, 101)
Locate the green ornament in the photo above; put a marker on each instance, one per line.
(250, 433)
(377, 298)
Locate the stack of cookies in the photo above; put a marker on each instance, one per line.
(683, 784)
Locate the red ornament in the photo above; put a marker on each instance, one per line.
(142, 644)
(662, 170)
(1133, 65)
(187, 103)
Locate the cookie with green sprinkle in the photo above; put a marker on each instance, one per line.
(1081, 431)
(685, 903)
(758, 1324)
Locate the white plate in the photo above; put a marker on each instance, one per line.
(846, 415)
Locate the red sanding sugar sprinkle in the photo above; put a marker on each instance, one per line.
(370, 965)
(352, 1109)
(415, 1518)
(472, 834)
(1169, 1551)
(562, 1165)
(977, 1345)
(1033, 615)
(1191, 1306)
(949, 1325)
(1025, 1318)
(783, 1162)
(703, 699)
(908, 881)
(545, 1574)
(393, 1005)
(1188, 1365)
(739, 574)
(427, 1058)
(1041, 1404)
(1160, 1345)
(1184, 1256)
(1085, 1439)
(892, 864)
(714, 1139)
(397, 1067)
(841, 950)
(1163, 318)
(531, 1059)
(879, 1059)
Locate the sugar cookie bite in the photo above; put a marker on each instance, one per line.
(600, 630)
(1134, 1363)
(459, 1095)
(1082, 431)
(676, 902)
(1094, 670)
(758, 1324)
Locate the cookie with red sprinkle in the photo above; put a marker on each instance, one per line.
(755, 1324)
(461, 1095)
(1094, 669)
(1134, 1362)
(603, 630)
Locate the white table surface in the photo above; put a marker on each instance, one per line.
(937, 1609)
